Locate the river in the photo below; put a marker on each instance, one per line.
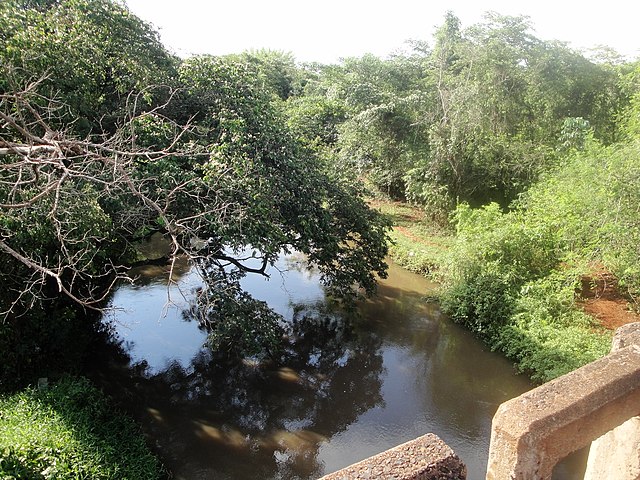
(351, 389)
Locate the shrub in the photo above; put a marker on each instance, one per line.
(591, 202)
(508, 278)
(70, 431)
(494, 255)
(482, 302)
(547, 334)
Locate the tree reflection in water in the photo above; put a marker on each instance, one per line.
(211, 417)
(217, 418)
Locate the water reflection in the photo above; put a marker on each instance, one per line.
(250, 420)
(343, 388)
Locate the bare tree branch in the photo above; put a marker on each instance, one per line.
(46, 174)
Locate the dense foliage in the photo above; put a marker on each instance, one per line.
(70, 431)
(475, 118)
(107, 138)
(92, 53)
(507, 279)
(526, 146)
(516, 277)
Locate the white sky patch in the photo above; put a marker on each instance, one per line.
(331, 29)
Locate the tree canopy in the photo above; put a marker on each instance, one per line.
(105, 138)
(476, 117)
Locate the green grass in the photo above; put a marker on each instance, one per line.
(417, 244)
(418, 254)
(70, 431)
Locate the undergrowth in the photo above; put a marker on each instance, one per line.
(547, 335)
(513, 277)
(70, 431)
(416, 243)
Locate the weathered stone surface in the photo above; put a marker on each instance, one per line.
(532, 432)
(425, 458)
(626, 335)
(617, 453)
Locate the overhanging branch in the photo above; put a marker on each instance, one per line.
(244, 268)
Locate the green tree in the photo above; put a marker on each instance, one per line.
(236, 180)
(501, 99)
(92, 54)
(382, 135)
(630, 84)
(286, 199)
(316, 119)
(277, 70)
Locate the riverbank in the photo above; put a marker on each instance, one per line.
(417, 244)
(549, 325)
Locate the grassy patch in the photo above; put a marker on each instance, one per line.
(418, 245)
(416, 253)
(70, 431)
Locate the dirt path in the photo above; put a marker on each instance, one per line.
(602, 299)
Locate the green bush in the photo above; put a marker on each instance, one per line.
(547, 335)
(591, 202)
(483, 302)
(509, 279)
(493, 256)
(70, 431)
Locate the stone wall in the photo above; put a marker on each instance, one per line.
(425, 458)
(617, 453)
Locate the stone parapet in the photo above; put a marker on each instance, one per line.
(617, 453)
(425, 458)
(534, 431)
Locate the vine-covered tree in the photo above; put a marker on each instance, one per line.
(475, 118)
(89, 54)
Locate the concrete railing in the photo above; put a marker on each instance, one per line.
(534, 431)
(425, 458)
(597, 403)
(617, 453)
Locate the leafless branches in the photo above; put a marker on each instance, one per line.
(64, 200)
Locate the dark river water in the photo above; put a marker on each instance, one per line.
(349, 389)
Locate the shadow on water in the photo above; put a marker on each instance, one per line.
(343, 389)
(251, 420)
